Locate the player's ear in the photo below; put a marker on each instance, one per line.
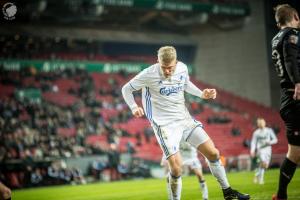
(278, 25)
(296, 17)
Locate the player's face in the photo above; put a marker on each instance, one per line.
(261, 123)
(168, 69)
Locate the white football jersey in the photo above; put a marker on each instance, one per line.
(263, 138)
(163, 98)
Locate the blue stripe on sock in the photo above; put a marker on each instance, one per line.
(174, 177)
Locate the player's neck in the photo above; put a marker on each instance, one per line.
(289, 25)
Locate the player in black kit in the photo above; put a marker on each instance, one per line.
(286, 59)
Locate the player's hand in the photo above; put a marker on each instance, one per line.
(209, 94)
(138, 112)
(297, 92)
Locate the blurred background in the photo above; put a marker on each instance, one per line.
(62, 117)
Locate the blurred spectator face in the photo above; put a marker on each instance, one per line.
(113, 146)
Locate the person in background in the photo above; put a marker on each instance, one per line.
(261, 146)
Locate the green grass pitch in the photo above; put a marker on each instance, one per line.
(150, 189)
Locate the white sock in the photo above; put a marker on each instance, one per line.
(204, 189)
(176, 186)
(261, 175)
(257, 172)
(218, 171)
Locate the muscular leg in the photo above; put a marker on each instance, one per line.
(5, 192)
(288, 169)
(261, 171)
(263, 165)
(199, 174)
(209, 150)
(175, 182)
(204, 144)
(203, 186)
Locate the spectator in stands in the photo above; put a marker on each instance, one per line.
(285, 55)
(138, 139)
(53, 173)
(235, 131)
(262, 140)
(36, 177)
(77, 176)
(148, 132)
(218, 119)
(130, 148)
(97, 167)
(114, 160)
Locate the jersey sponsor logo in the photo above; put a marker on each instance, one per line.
(170, 90)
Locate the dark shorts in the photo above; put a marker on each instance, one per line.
(291, 117)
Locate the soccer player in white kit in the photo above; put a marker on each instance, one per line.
(163, 85)
(262, 139)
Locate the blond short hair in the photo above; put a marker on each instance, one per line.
(284, 13)
(166, 54)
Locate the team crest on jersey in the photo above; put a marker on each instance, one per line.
(170, 90)
(293, 39)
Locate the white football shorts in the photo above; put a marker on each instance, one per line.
(193, 163)
(264, 156)
(169, 136)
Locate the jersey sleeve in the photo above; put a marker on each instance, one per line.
(135, 84)
(291, 50)
(190, 87)
(253, 143)
(140, 80)
(273, 138)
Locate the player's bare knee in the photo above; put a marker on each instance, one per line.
(199, 176)
(297, 158)
(6, 193)
(176, 170)
(213, 155)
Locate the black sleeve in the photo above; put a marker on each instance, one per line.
(291, 50)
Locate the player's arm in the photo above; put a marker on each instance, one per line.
(194, 90)
(127, 91)
(253, 145)
(291, 49)
(273, 138)
(135, 84)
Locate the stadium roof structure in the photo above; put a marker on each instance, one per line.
(163, 15)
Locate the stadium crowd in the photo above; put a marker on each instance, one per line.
(30, 130)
